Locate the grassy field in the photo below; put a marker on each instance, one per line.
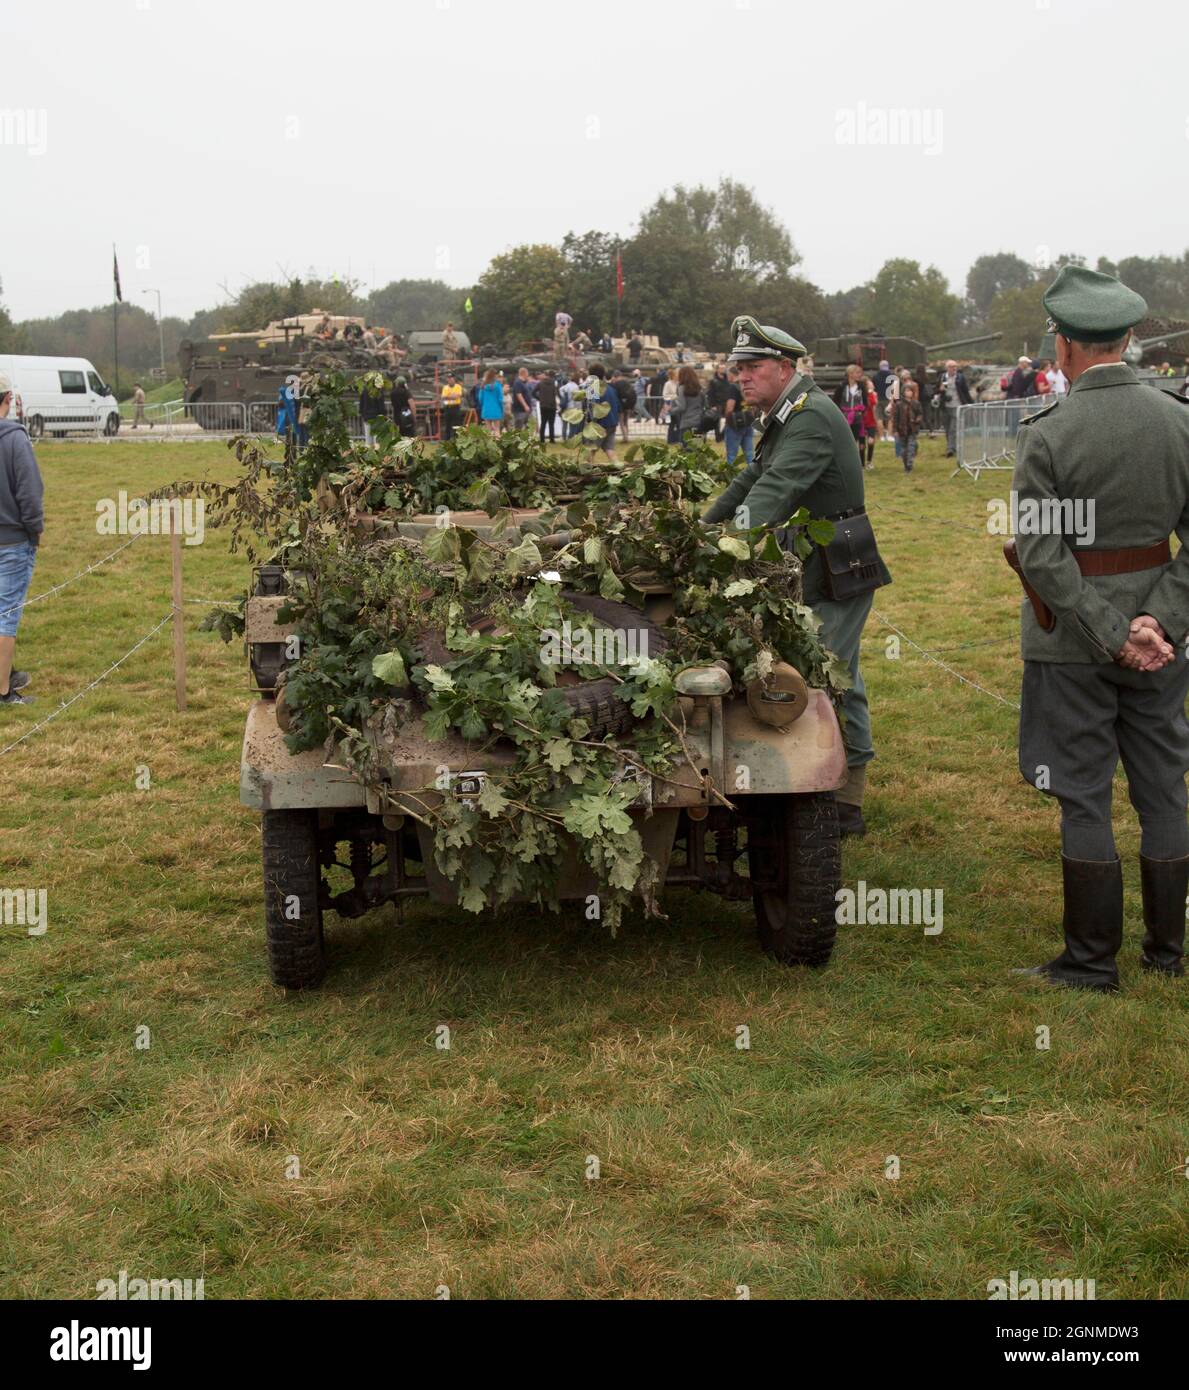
(467, 1167)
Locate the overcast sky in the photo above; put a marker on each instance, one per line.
(217, 143)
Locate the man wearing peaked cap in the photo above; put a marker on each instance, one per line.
(1101, 479)
(807, 457)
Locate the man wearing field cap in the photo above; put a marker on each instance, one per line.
(807, 457)
(21, 522)
(1101, 479)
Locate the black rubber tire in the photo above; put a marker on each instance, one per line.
(111, 426)
(296, 948)
(793, 848)
(35, 426)
(596, 701)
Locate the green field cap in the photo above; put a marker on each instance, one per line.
(1090, 306)
(756, 340)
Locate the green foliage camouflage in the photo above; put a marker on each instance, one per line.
(367, 599)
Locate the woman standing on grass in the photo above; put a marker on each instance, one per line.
(850, 398)
(690, 405)
(491, 402)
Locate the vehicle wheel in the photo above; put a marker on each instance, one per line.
(36, 426)
(796, 867)
(292, 917)
(112, 425)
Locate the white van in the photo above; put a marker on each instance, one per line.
(60, 394)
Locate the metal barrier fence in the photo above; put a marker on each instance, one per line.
(986, 437)
(647, 419)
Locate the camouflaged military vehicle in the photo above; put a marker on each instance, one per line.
(869, 347)
(750, 817)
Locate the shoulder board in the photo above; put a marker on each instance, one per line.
(1040, 414)
(790, 406)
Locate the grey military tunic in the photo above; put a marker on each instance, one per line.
(1123, 447)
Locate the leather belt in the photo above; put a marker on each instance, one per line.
(1093, 563)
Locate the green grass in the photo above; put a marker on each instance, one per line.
(466, 1167)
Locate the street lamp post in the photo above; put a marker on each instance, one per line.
(160, 329)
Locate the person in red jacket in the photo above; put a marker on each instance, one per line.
(870, 423)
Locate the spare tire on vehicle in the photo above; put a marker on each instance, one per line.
(596, 701)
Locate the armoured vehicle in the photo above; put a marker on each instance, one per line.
(251, 369)
(425, 345)
(1140, 353)
(868, 347)
(776, 756)
(1139, 349)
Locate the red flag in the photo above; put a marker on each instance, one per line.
(618, 276)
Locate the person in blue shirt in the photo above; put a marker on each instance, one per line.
(491, 402)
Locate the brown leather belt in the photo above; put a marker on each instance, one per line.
(1098, 562)
(1092, 563)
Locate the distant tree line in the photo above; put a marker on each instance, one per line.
(699, 256)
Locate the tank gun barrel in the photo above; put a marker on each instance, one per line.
(1143, 343)
(962, 342)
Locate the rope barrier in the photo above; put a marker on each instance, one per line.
(79, 695)
(66, 582)
(1011, 704)
(936, 520)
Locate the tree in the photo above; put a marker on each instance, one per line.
(589, 293)
(794, 305)
(671, 289)
(704, 255)
(257, 305)
(406, 305)
(1162, 280)
(741, 233)
(990, 274)
(88, 333)
(853, 309)
(13, 338)
(913, 303)
(1020, 316)
(518, 295)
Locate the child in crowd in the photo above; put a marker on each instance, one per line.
(908, 419)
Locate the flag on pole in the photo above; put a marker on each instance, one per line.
(618, 276)
(467, 305)
(115, 273)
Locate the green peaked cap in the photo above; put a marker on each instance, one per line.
(757, 340)
(1090, 306)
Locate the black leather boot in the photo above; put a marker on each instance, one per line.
(1093, 923)
(850, 819)
(850, 802)
(1165, 883)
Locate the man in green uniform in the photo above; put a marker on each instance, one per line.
(807, 457)
(1101, 479)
